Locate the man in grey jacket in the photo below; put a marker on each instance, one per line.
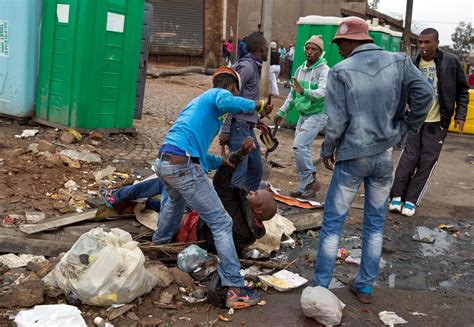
(367, 118)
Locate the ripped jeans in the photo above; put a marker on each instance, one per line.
(376, 172)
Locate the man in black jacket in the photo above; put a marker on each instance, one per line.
(247, 209)
(444, 72)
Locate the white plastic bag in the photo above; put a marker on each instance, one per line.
(55, 315)
(103, 267)
(322, 305)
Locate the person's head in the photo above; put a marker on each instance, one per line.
(351, 33)
(428, 43)
(313, 49)
(226, 78)
(257, 45)
(262, 205)
(273, 45)
(230, 40)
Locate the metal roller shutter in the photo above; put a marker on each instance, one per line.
(178, 27)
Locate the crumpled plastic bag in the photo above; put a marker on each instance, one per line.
(191, 257)
(104, 267)
(322, 305)
(54, 315)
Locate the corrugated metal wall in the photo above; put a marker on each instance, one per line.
(178, 27)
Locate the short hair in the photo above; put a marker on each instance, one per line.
(430, 31)
(223, 81)
(255, 41)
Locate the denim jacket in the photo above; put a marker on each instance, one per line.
(365, 101)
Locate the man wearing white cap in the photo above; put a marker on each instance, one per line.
(307, 97)
(365, 102)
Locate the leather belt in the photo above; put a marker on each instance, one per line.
(252, 125)
(176, 159)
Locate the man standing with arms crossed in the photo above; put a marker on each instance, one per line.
(366, 119)
(444, 73)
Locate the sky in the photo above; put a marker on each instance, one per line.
(443, 15)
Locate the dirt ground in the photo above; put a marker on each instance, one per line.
(417, 277)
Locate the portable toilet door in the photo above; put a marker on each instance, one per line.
(381, 36)
(89, 60)
(395, 41)
(19, 39)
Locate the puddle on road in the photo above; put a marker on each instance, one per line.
(441, 241)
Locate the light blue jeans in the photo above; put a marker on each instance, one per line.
(188, 184)
(307, 129)
(377, 174)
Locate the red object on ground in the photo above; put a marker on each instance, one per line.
(188, 229)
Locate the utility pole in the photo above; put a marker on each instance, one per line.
(407, 28)
(267, 8)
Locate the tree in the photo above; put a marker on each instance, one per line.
(374, 4)
(462, 38)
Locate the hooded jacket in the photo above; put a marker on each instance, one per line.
(313, 81)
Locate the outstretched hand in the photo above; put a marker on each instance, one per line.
(296, 86)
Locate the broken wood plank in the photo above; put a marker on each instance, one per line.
(115, 313)
(306, 220)
(59, 222)
(23, 245)
(263, 264)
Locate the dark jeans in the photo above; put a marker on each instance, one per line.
(417, 162)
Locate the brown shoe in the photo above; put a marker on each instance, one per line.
(296, 194)
(365, 298)
(311, 189)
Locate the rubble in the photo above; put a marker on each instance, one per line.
(45, 146)
(24, 290)
(67, 137)
(181, 278)
(162, 273)
(81, 156)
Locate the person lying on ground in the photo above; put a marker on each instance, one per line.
(182, 165)
(247, 209)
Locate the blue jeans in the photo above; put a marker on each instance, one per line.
(307, 129)
(188, 184)
(249, 172)
(377, 174)
(146, 189)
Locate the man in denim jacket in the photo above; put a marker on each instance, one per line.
(367, 117)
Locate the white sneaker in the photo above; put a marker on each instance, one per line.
(395, 205)
(408, 209)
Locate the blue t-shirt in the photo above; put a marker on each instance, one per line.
(198, 124)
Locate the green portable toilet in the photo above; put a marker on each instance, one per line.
(381, 36)
(89, 58)
(395, 41)
(326, 26)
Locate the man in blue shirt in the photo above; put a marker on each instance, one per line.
(182, 165)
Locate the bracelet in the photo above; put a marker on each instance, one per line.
(262, 105)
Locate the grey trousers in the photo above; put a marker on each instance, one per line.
(417, 162)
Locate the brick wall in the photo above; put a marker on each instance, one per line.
(212, 32)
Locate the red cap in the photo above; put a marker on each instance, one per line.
(353, 28)
(230, 71)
